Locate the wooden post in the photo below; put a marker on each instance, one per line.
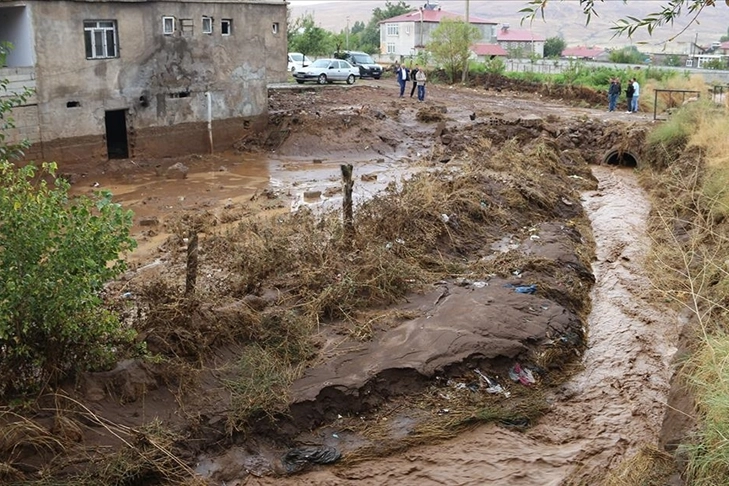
(347, 200)
(191, 276)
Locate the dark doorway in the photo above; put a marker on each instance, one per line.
(117, 146)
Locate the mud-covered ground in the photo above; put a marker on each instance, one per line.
(551, 335)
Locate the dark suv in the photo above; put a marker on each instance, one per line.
(368, 68)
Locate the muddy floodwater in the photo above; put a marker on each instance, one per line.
(603, 415)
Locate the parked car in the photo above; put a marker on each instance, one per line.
(297, 60)
(368, 68)
(325, 71)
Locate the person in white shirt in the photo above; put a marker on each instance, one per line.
(636, 93)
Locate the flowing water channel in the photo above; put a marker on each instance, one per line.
(603, 415)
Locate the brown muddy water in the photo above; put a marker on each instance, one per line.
(603, 415)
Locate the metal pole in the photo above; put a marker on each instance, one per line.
(347, 32)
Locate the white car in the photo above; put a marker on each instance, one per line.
(297, 60)
(325, 71)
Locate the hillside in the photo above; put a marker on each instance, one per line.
(561, 18)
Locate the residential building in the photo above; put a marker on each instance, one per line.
(584, 53)
(405, 35)
(485, 52)
(137, 78)
(520, 43)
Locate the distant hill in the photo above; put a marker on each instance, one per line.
(562, 18)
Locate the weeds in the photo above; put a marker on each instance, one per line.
(690, 231)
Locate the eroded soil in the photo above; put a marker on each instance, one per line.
(600, 396)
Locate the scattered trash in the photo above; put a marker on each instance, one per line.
(127, 295)
(491, 385)
(296, 459)
(526, 289)
(516, 273)
(479, 284)
(443, 411)
(522, 375)
(534, 237)
(445, 218)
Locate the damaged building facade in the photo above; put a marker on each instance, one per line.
(120, 79)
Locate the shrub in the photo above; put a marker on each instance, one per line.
(56, 253)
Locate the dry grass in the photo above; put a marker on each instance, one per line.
(689, 268)
(442, 412)
(650, 466)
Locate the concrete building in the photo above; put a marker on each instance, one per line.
(407, 34)
(520, 43)
(133, 78)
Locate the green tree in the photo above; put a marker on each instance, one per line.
(310, 39)
(553, 47)
(627, 55)
(672, 60)
(357, 27)
(450, 45)
(56, 254)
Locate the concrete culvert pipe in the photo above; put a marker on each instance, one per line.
(621, 158)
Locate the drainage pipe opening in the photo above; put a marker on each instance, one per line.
(620, 158)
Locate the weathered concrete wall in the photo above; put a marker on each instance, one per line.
(160, 79)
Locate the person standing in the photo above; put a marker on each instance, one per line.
(629, 91)
(402, 78)
(636, 94)
(420, 79)
(413, 77)
(613, 94)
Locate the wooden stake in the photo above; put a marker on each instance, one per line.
(191, 276)
(347, 200)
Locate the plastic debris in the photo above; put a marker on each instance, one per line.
(526, 289)
(445, 218)
(492, 386)
(296, 459)
(521, 375)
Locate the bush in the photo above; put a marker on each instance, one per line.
(56, 254)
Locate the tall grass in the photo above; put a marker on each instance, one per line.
(691, 232)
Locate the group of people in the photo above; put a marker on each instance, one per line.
(416, 75)
(632, 92)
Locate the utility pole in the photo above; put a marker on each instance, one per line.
(468, 30)
(347, 35)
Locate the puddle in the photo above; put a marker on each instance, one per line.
(603, 414)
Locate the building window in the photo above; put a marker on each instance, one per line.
(274, 28)
(186, 27)
(393, 29)
(226, 26)
(100, 39)
(391, 48)
(168, 25)
(207, 25)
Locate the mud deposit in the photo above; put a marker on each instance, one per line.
(518, 348)
(605, 413)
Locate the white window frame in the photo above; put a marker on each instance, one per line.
(168, 25)
(207, 25)
(391, 48)
(274, 28)
(393, 29)
(101, 39)
(229, 23)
